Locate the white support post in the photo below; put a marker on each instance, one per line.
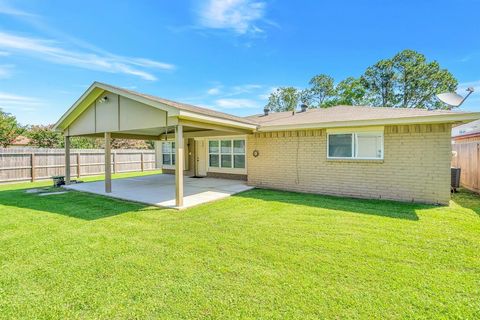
(108, 163)
(67, 160)
(179, 161)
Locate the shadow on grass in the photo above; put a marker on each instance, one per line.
(384, 208)
(72, 204)
(467, 199)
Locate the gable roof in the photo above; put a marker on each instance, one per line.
(179, 105)
(98, 88)
(338, 116)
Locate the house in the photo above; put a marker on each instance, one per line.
(466, 132)
(380, 153)
(20, 142)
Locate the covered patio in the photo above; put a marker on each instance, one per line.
(159, 190)
(109, 112)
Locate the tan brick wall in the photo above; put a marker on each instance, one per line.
(416, 165)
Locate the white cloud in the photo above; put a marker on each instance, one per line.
(213, 91)
(236, 103)
(6, 71)
(8, 10)
(237, 15)
(15, 102)
(4, 54)
(54, 52)
(267, 93)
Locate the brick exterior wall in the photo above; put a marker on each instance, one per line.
(231, 176)
(416, 165)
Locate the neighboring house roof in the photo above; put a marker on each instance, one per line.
(20, 141)
(338, 116)
(467, 130)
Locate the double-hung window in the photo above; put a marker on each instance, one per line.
(226, 153)
(355, 145)
(168, 153)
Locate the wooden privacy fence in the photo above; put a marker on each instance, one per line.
(23, 164)
(466, 157)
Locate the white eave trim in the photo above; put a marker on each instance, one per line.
(443, 118)
(188, 115)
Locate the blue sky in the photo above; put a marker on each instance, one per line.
(227, 55)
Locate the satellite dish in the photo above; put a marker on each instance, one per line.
(453, 99)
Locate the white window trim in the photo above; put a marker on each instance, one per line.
(171, 154)
(221, 169)
(355, 143)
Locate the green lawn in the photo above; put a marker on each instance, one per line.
(260, 254)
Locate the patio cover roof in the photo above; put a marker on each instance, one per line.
(144, 116)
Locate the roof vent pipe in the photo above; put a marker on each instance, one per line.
(266, 110)
(304, 107)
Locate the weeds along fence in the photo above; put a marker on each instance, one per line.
(31, 164)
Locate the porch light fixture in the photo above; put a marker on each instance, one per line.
(102, 100)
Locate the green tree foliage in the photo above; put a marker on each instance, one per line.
(129, 144)
(350, 91)
(379, 83)
(418, 81)
(10, 129)
(283, 99)
(322, 89)
(44, 137)
(407, 80)
(84, 143)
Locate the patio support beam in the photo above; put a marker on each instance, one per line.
(67, 160)
(108, 163)
(179, 162)
(209, 126)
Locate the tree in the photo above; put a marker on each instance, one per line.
(128, 144)
(417, 82)
(350, 91)
(379, 82)
(283, 99)
(150, 144)
(10, 129)
(42, 136)
(85, 143)
(321, 89)
(407, 80)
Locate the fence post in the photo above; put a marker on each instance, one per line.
(141, 160)
(78, 164)
(32, 166)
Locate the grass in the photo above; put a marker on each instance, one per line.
(260, 254)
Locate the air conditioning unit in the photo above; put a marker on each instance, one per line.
(455, 183)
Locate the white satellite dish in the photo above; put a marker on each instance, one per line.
(453, 99)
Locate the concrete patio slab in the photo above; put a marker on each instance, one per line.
(159, 190)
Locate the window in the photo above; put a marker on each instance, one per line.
(168, 153)
(359, 145)
(226, 154)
